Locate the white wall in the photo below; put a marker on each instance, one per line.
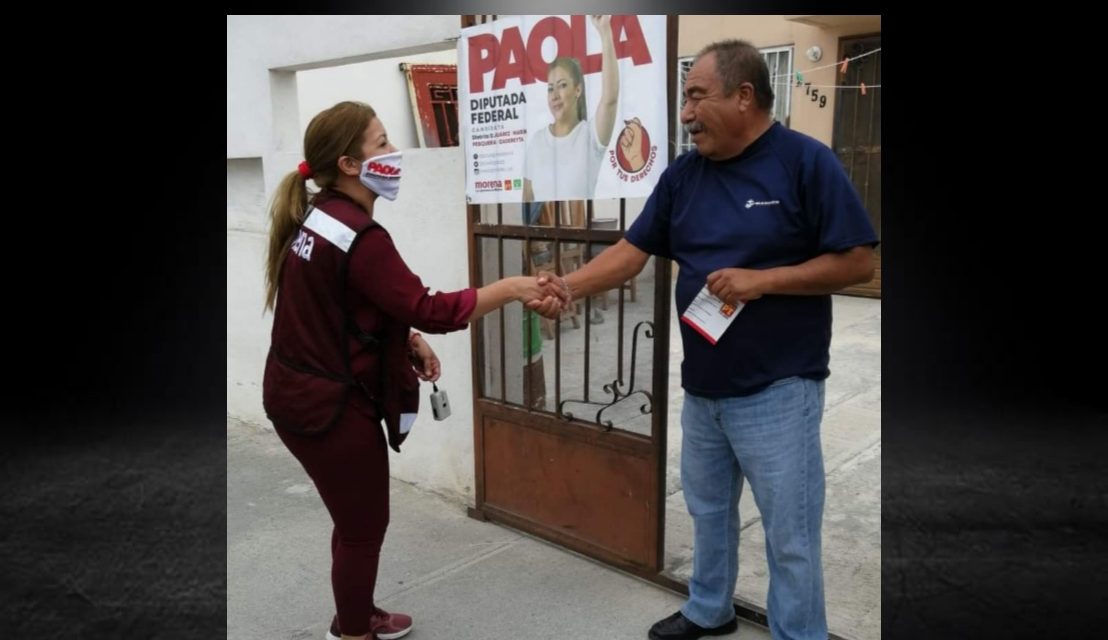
(428, 226)
(380, 83)
(258, 46)
(274, 87)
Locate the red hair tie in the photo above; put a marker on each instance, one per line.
(305, 170)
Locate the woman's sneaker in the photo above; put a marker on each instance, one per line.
(386, 626)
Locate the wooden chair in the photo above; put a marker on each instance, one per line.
(630, 285)
(541, 254)
(571, 214)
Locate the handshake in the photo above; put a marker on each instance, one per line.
(545, 293)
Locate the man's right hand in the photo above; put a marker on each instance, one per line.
(556, 296)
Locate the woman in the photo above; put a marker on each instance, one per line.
(343, 358)
(563, 160)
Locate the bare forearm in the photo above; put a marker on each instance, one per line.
(823, 274)
(614, 266)
(609, 89)
(495, 295)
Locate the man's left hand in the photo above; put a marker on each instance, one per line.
(737, 285)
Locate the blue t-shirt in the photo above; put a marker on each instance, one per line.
(784, 200)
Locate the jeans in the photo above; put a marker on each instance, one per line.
(771, 439)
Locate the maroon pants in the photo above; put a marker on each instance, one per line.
(349, 465)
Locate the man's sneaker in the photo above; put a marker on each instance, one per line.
(678, 627)
(385, 626)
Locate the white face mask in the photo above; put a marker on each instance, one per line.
(381, 175)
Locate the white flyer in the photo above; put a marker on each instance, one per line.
(709, 315)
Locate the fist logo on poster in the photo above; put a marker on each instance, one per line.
(634, 146)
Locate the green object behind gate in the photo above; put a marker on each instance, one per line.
(532, 335)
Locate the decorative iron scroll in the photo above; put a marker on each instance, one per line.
(615, 388)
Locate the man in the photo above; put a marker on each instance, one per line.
(766, 217)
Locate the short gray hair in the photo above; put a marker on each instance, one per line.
(738, 61)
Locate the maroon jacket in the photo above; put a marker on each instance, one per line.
(346, 302)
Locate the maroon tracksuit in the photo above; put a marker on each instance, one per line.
(338, 366)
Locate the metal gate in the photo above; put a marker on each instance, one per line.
(570, 414)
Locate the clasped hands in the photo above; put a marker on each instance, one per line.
(546, 293)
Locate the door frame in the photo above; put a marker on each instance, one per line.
(871, 289)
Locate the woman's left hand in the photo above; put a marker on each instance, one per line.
(424, 360)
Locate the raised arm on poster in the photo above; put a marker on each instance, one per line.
(563, 159)
(528, 85)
